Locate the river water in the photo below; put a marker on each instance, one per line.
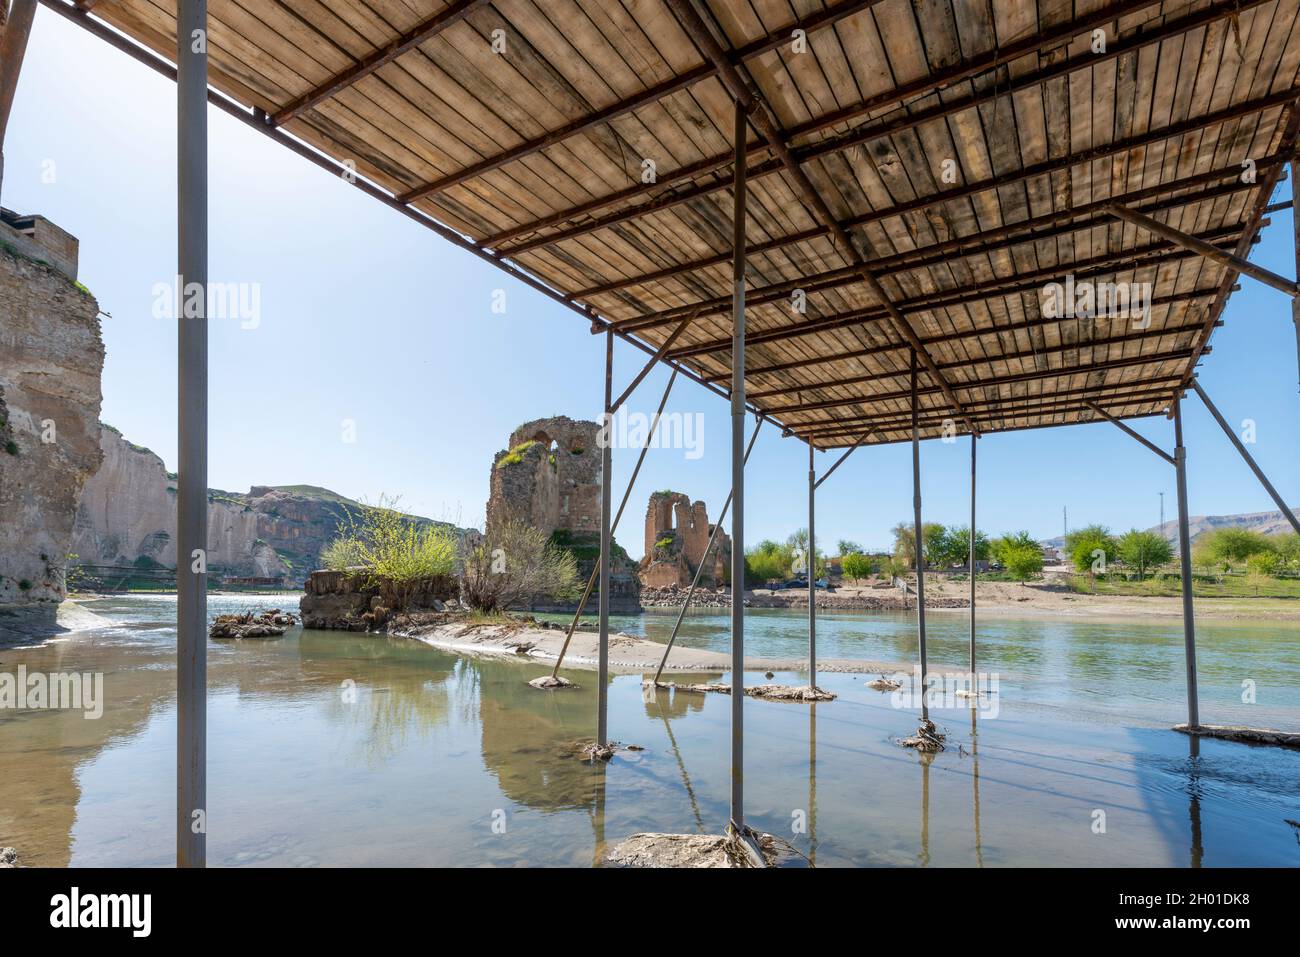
(342, 749)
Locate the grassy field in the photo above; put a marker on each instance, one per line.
(1203, 586)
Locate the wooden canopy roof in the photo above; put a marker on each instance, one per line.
(919, 169)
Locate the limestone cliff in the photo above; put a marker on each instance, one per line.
(51, 356)
(127, 517)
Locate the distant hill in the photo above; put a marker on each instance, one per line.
(127, 517)
(1269, 523)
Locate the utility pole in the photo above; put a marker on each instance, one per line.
(1162, 514)
(1065, 522)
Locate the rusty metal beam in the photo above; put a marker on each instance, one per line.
(850, 424)
(1038, 405)
(17, 27)
(1096, 209)
(861, 134)
(1029, 353)
(1236, 263)
(1000, 238)
(1155, 359)
(818, 21)
(761, 119)
(1287, 144)
(1045, 40)
(426, 30)
(976, 333)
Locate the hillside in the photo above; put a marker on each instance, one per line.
(1268, 523)
(127, 516)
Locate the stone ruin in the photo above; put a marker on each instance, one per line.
(676, 536)
(549, 477)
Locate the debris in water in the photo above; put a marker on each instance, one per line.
(597, 752)
(789, 693)
(551, 681)
(928, 738)
(884, 683)
(269, 624)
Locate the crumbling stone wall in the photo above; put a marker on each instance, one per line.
(548, 477)
(51, 356)
(676, 537)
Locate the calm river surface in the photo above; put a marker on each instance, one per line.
(341, 749)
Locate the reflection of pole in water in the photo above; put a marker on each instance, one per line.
(1194, 798)
(686, 779)
(925, 807)
(975, 778)
(812, 783)
(599, 768)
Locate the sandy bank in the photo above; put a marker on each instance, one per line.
(627, 653)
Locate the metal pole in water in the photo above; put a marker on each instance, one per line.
(919, 543)
(812, 570)
(1185, 564)
(738, 477)
(973, 440)
(192, 434)
(606, 467)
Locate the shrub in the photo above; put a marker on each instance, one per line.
(768, 559)
(959, 546)
(396, 551)
(1263, 563)
(857, 566)
(342, 553)
(514, 564)
(1232, 546)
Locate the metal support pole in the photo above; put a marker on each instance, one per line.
(738, 477)
(192, 434)
(973, 440)
(812, 569)
(606, 467)
(1241, 449)
(1295, 224)
(1185, 563)
(13, 46)
(618, 516)
(919, 544)
(695, 582)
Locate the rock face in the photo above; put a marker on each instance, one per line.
(676, 537)
(127, 516)
(51, 356)
(549, 477)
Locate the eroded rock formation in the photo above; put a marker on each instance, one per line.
(51, 356)
(676, 539)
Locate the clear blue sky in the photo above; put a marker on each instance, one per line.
(367, 316)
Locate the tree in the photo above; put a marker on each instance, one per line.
(857, 566)
(1023, 562)
(1011, 543)
(797, 544)
(514, 564)
(1288, 551)
(933, 542)
(846, 547)
(1090, 545)
(1233, 546)
(1143, 550)
(959, 545)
